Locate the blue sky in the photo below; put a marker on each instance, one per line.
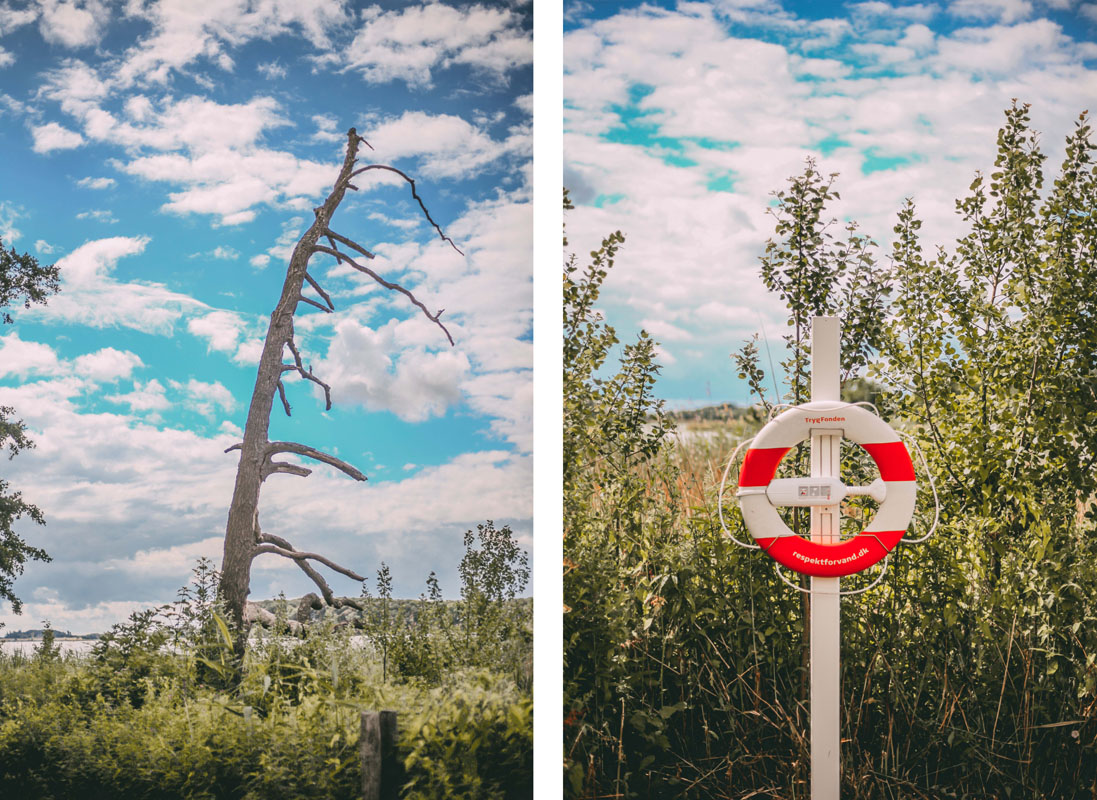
(681, 118)
(167, 154)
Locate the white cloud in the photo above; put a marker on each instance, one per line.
(43, 247)
(271, 70)
(1005, 51)
(21, 359)
(210, 151)
(99, 215)
(11, 19)
(326, 129)
(6, 58)
(76, 86)
(94, 261)
(219, 253)
(1004, 11)
(249, 351)
(79, 619)
(53, 136)
(914, 12)
(197, 124)
(446, 145)
(148, 396)
(664, 331)
(282, 249)
(368, 367)
(222, 169)
(107, 365)
(90, 295)
(259, 261)
(222, 329)
(73, 23)
(403, 223)
(408, 44)
(9, 214)
(488, 299)
(168, 562)
(184, 32)
(96, 183)
(205, 398)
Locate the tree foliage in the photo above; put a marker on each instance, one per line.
(994, 343)
(489, 627)
(818, 273)
(22, 281)
(14, 550)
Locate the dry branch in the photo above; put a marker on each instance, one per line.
(435, 318)
(319, 291)
(300, 555)
(313, 453)
(273, 467)
(330, 234)
(299, 366)
(269, 540)
(414, 194)
(282, 397)
(304, 299)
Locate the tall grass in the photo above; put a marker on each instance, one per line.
(960, 677)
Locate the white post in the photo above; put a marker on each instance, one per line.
(825, 617)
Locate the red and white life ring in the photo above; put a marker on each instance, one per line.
(759, 495)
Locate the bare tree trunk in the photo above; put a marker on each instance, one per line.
(244, 539)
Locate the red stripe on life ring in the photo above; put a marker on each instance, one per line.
(759, 466)
(893, 460)
(831, 560)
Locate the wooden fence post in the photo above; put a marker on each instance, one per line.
(381, 773)
(392, 772)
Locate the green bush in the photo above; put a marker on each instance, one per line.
(475, 741)
(150, 714)
(471, 738)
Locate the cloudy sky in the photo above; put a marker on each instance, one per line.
(167, 155)
(681, 118)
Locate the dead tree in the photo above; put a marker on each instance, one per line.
(244, 539)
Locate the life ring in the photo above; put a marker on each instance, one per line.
(760, 495)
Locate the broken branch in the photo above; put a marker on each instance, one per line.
(306, 374)
(319, 291)
(273, 467)
(317, 455)
(304, 299)
(348, 242)
(414, 194)
(282, 394)
(435, 318)
(269, 539)
(299, 555)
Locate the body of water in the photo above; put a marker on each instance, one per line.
(27, 646)
(83, 646)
